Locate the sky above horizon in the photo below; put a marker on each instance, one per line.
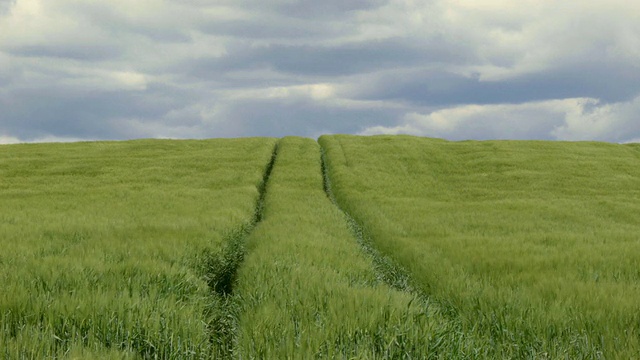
(454, 69)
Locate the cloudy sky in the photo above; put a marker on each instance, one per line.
(454, 69)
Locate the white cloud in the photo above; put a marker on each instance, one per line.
(5, 140)
(486, 121)
(105, 80)
(315, 92)
(568, 119)
(56, 139)
(592, 120)
(139, 128)
(73, 76)
(510, 38)
(43, 28)
(8, 140)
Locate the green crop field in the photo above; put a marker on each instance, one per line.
(103, 245)
(385, 247)
(533, 246)
(306, 288)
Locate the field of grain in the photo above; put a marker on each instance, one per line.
(384, 247)
(308, 291)
(534, 246)
(106, 246)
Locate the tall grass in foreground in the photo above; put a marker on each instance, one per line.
(104, 244)
(307, 291)
(534, 246)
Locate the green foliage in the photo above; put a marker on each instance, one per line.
(106, 245)
(533, 246)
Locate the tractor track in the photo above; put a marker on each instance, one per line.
(221, 274)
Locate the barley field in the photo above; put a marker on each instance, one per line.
(383, 247)
(534, 246)
(308, 291)
(104, 244)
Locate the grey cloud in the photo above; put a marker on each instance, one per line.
(333, 8)
(37, 113)
(117, 23)
(302, 118)
(311, 22)
(198, 68)
(605, 81)
(5, 6)
(309, 9)
(83, 52)
(273, 28)
(339, 60)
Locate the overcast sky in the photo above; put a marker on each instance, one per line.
(454, 69)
